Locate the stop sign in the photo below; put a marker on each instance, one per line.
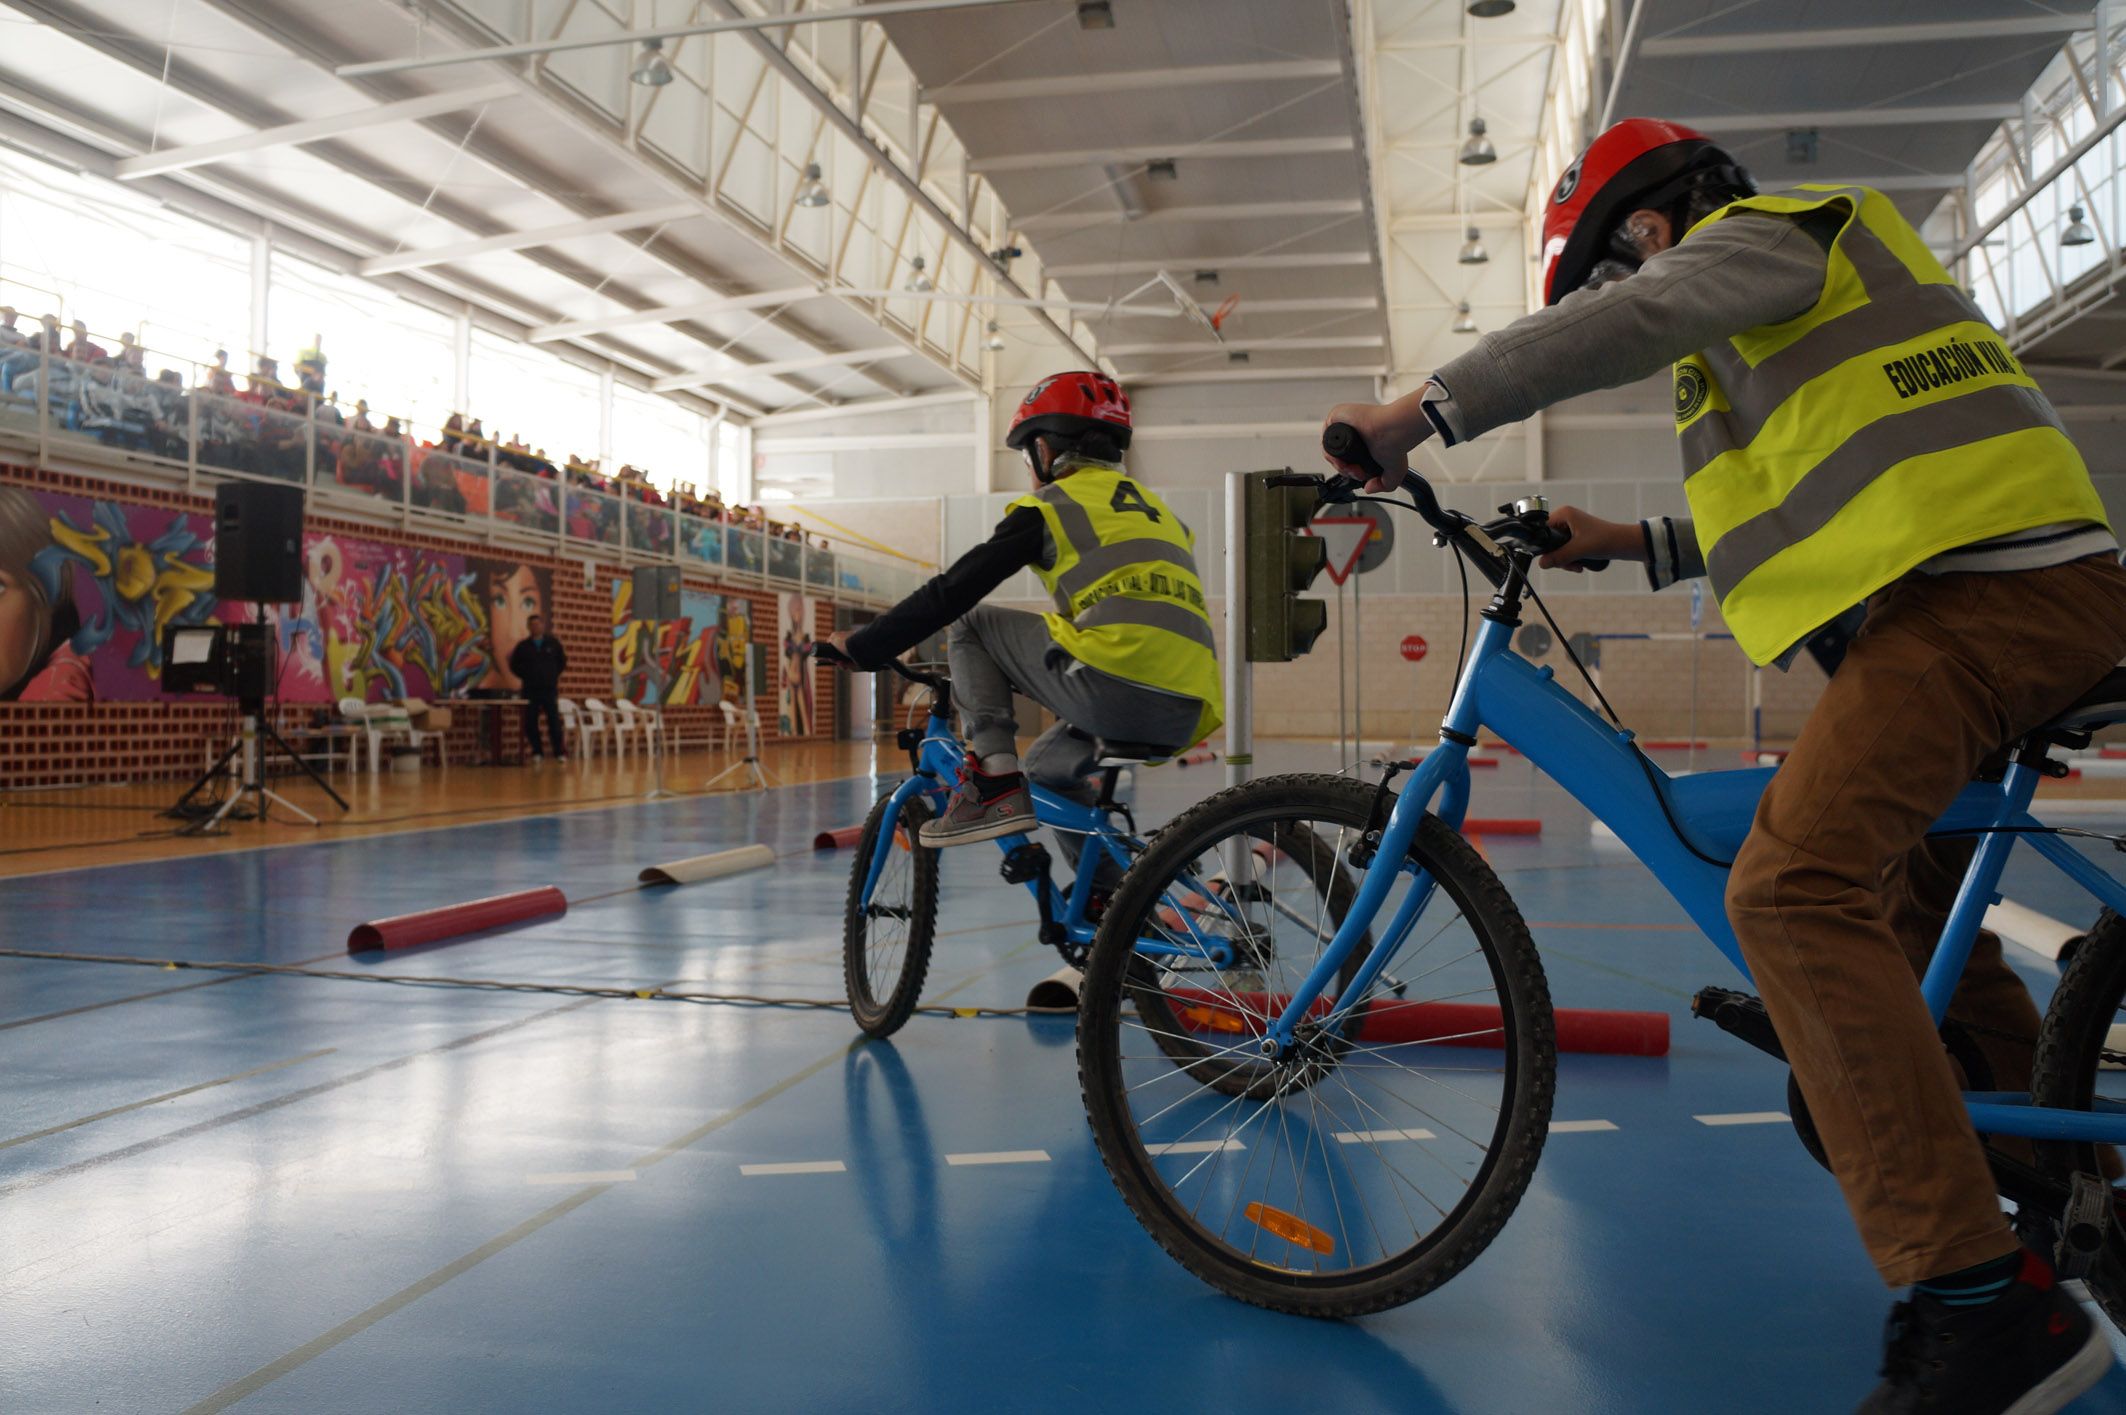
(1413, 647)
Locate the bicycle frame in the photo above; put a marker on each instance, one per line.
(941, 757)
(1598, 765)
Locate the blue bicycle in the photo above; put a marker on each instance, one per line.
(890, 921)
(1360, 1148)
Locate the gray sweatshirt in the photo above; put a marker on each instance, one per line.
(1747, 270)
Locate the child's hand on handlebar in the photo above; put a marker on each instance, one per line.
(1592, 539)
(834, 649)
(1390, 432)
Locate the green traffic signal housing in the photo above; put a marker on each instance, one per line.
(1282, 560)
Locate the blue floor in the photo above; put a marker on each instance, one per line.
(310, 1195)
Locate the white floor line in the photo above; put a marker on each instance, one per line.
(1580, 1127)
(1193, 1147)
(795, 1167)
(584, 1176)
(1745, 1117)
(1001, 1157)
(1375, 1137)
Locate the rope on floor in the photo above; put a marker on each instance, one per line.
(500, 985)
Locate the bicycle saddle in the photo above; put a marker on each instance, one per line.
(1107, 751)
(2105, 703)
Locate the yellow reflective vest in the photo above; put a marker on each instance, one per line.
(1827, 456)
(1123, 576)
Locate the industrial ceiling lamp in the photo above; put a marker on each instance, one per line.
(995, 342)
(813, 193)
(1489, 9)
(652, 71)
(1096, 14)
(1464, 322)
(918, 281)
(1478, 151)
(1473, 252)
(2077, 232)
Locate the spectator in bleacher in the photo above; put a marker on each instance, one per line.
(83, 348)
(265, 381)
(219, 380)
(131, 355)
(361, 416)
(10, 337)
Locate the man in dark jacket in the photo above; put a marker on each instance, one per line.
(539, 661)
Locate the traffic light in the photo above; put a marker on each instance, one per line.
(1282, 561)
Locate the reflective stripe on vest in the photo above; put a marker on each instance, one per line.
(1123, 576)
(1828, 455)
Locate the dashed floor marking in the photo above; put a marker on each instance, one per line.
(1375, 1137)
(1745, 1117)
(1193, 1147)
(584, 1176)
(1001, 1157)
(794, 1167)
(1584, 1127)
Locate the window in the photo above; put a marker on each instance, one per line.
(389, 351)
(663, 439)
(519, 391)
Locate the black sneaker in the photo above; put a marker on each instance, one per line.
(2028, 1352)
(984, 808)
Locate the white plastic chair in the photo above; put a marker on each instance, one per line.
(415, 707)
(734, 723)
(379, 721)
(640, 720)
(622, 728)
(588, 729)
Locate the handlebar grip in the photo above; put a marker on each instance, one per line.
(828, 653)
(1341, 441)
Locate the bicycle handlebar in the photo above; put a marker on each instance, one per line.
(827, 653)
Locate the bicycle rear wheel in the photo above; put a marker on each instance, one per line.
(2081, 1066)
(1381, 1154)
(886, 941)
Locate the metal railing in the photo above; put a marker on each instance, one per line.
(105, 414)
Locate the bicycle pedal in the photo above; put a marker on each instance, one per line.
(1025, 864)
(1739, 1014)
(2083, 1225)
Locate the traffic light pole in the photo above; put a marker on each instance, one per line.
(1239, 672)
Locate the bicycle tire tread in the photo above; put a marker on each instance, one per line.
(922, 926)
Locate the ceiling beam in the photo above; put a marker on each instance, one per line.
(863, 406)
(1892, 116)
(1862, 36)
(1198, 152)
(177, 159)
(1131, 80)
(671, 314)
(1197, 346)
(1902, 181)
(699, 378)
(519, 240)
(1323, 260)
(1173, 215)
(1258, 375)
(738, 24)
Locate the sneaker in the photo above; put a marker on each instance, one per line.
(2027, 1352)
(984, 808)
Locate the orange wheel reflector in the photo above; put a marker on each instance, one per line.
(1213, 1019)
(1290, 1228)
(900, 837)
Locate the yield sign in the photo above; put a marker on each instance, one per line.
(1346, 537)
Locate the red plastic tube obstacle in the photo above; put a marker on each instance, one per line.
(458, 920)
(1478, 826)
(837, 839)
(1196, 758)
(1391, 1022)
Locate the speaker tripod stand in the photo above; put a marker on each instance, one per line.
(749, 765)
(245, 761)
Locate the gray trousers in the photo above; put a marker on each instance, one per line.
(993, 650)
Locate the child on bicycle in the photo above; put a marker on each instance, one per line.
(1127, 655)
(1852, 431)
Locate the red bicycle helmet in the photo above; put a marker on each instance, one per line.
(1072, 405)
(1640, 162)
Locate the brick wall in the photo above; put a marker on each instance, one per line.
(50, 744)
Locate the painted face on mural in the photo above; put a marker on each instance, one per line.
(513, 601)
(21, 630)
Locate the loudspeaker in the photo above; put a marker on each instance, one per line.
(656, 593)
(258, 542)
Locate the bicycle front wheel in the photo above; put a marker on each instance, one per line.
(2081, 1065)
(886, 939)
(1385, 1149)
